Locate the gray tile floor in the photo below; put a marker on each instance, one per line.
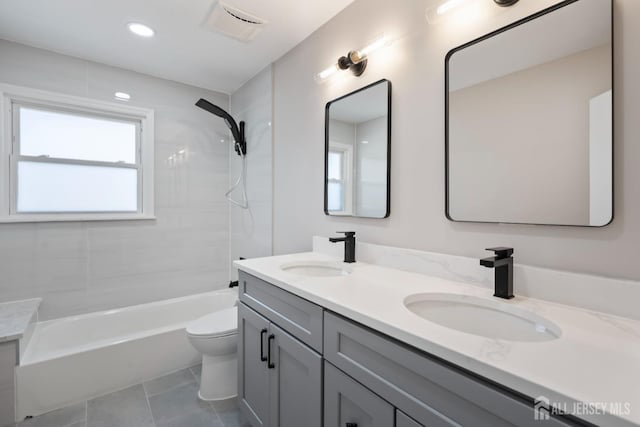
(169, 401)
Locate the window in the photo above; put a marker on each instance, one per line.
(74, 159)
(339, 182)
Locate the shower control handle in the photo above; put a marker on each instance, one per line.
(270, 364)
(262, 334)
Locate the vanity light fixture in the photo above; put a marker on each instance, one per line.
(140, 29)
(436, 13)
(355, 60)
(122, 96)
(505, 3)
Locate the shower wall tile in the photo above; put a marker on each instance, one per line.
(79, 267)
(251, 229)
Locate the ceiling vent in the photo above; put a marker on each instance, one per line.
(233, 22)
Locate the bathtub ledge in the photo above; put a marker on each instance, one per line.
(16, 317)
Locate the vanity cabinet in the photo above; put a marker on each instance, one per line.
(429, 391)
(279, 375)
(300, 365)
(402, 420)
(348, 403)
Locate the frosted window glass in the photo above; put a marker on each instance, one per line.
(71, 136)
(52, 187)
(335, 165)
(335, 198)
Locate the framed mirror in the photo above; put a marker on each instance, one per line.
(529, 120)
(357, 155)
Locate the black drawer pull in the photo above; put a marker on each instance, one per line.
(263, 332)
(270, 365)
(352, 425)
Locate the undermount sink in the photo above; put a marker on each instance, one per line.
(484, 317)
(316, 268)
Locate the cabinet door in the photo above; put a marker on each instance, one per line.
(295, 377)
(402, 420)
(348, 404)
(253, 375)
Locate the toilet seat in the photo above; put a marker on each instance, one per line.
(217, 324)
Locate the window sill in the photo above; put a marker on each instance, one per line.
(74, 217)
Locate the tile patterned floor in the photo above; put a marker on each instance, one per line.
(169, 401)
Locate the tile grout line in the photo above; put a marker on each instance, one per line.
(146, 396)
(213, 408)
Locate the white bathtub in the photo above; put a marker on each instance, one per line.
(75, 358)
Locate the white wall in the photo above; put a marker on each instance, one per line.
(414, 64)
(251, 229)
(86, 266)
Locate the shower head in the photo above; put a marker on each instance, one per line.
(237, 132)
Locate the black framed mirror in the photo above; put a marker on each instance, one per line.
(529, 120)
(357, 155)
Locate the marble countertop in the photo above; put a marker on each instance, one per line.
(595, 361)
(15, 317)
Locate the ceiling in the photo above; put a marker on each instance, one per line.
(182, 50)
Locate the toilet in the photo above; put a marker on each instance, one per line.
(216, 337)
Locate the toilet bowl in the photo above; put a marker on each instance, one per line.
(216, 337)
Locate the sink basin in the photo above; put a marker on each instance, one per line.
(316, 268)
(484, 317)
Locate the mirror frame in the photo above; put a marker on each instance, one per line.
(501, 30)
(326, 149)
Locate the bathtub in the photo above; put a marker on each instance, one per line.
(72, 359)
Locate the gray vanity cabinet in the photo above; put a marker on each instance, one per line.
(279, 373)
(300, 365)
(253, 373)
(403, 420)
(348, 403)
(295, 382)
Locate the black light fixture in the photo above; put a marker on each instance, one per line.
(438, 11)
(505, 3)
(355, 60)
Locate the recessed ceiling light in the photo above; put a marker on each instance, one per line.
(140, 29)
(122, 96)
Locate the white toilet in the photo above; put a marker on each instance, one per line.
(216, 337)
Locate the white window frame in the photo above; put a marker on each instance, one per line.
(16, 96)
(347, 176)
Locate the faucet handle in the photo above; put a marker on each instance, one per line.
(501, 251)
(347, 233)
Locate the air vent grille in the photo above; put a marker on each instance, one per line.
(233, 22)
(237, 14)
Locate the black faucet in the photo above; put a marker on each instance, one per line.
(349, 240)
(503, 265)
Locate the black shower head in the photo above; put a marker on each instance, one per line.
(231, 124)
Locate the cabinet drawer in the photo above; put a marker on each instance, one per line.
(426, 389)
(297, 316)
(349, 404)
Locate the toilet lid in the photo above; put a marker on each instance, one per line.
(217, 324)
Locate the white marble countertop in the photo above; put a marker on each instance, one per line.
(596, 360)
(15, 317)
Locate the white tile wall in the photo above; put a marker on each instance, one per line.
(81, 267)
(251, 230)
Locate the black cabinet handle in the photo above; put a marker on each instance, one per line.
(270, 365)
(352, 425)
(263, 332)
